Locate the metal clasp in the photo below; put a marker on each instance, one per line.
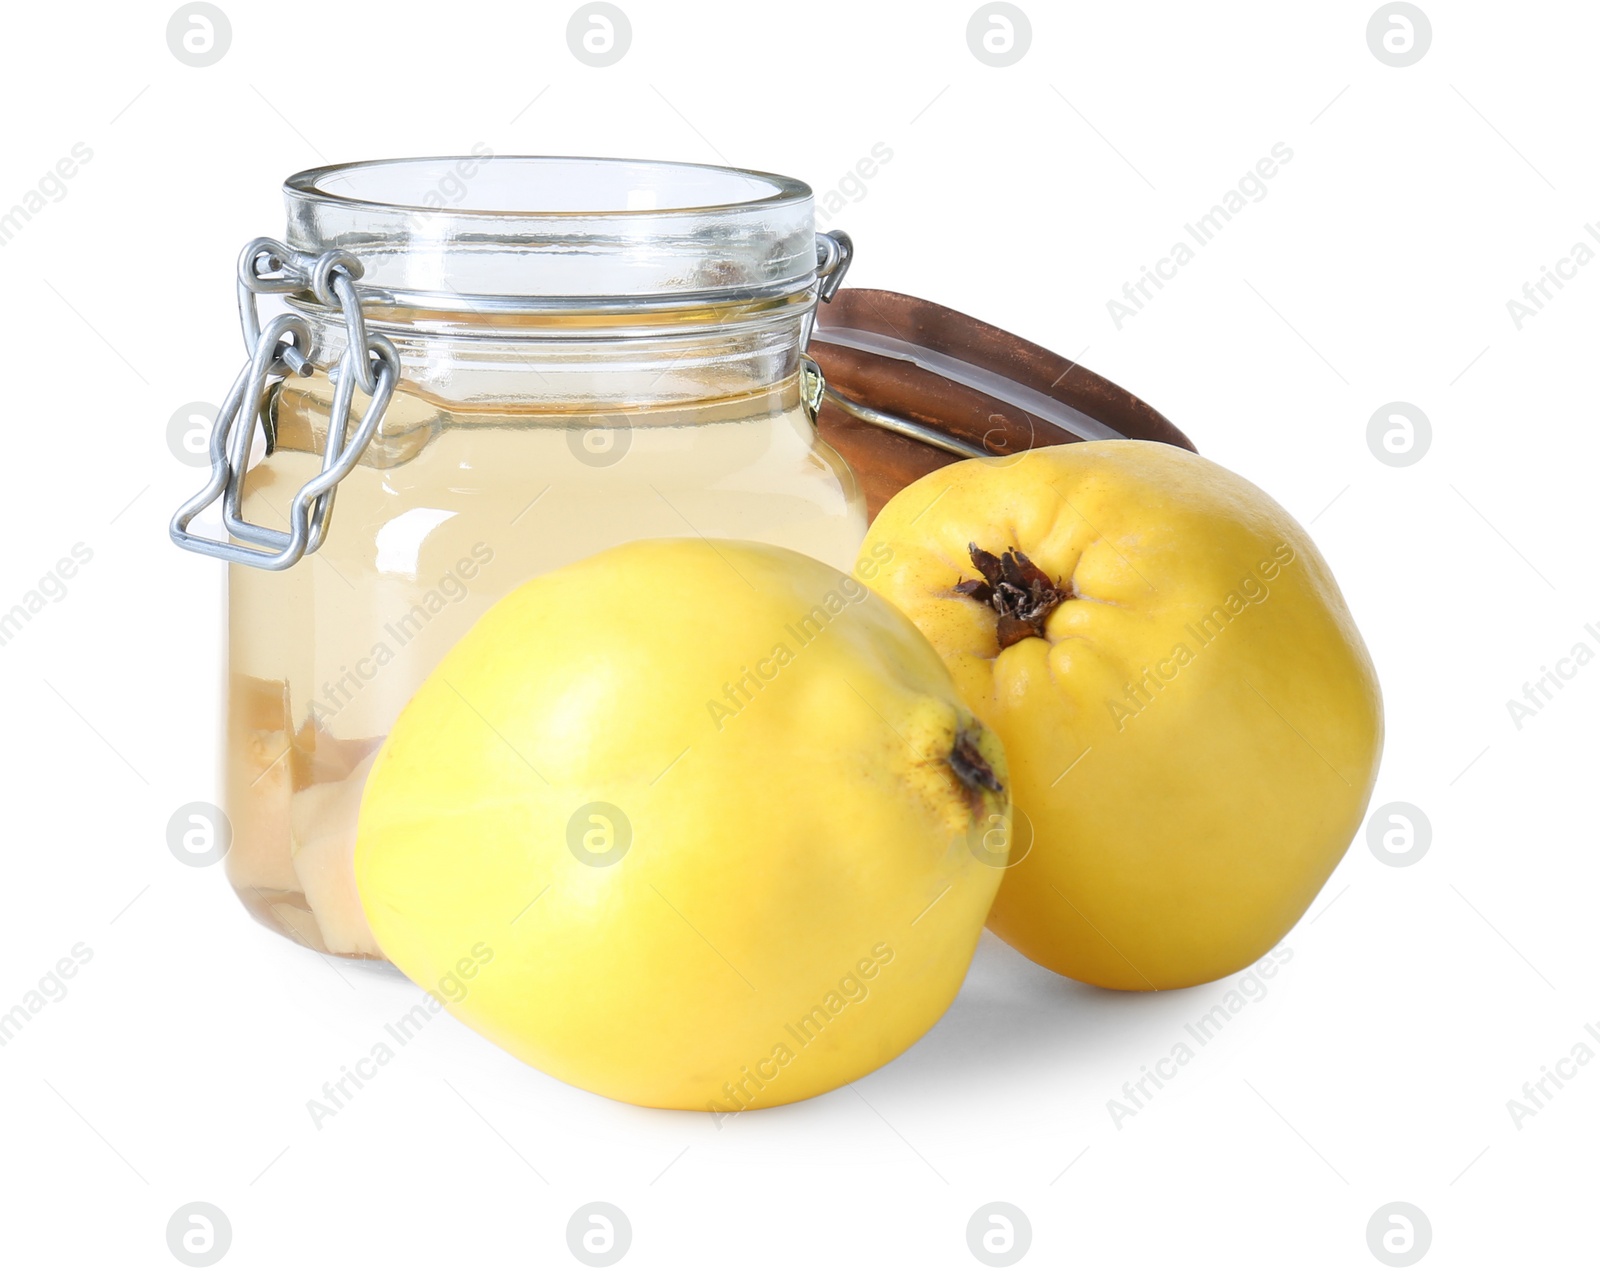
(835, 250)
(276, 351)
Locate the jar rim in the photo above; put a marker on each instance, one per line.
(438, 175)
(612, 230)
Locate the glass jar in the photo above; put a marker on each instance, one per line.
(492, 367)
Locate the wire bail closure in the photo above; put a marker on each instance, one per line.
(369, 362)
(276, 351)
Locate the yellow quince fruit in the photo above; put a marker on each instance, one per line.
(691, 824)
(1192, 721)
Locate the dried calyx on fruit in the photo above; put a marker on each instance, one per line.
(977, 778)
(1016, 589)
(968, 763)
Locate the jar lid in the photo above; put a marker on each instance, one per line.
(913, 386)
(541, 232)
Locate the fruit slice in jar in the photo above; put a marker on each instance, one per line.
(293, 800)
(259, 777)
(324, 820)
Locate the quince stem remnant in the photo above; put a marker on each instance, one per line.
(1016, 589)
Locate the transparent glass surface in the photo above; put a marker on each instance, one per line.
(522, 439)
(521, 230)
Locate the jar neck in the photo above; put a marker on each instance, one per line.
(583, 361)
(567, 284)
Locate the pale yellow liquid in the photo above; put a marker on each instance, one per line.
(448, 514)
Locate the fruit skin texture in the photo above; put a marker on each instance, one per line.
(797, 902)
(1195, 737)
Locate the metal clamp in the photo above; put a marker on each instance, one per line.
(283, 348)
(835, 251)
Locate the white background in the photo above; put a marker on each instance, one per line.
(1418, 1001)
